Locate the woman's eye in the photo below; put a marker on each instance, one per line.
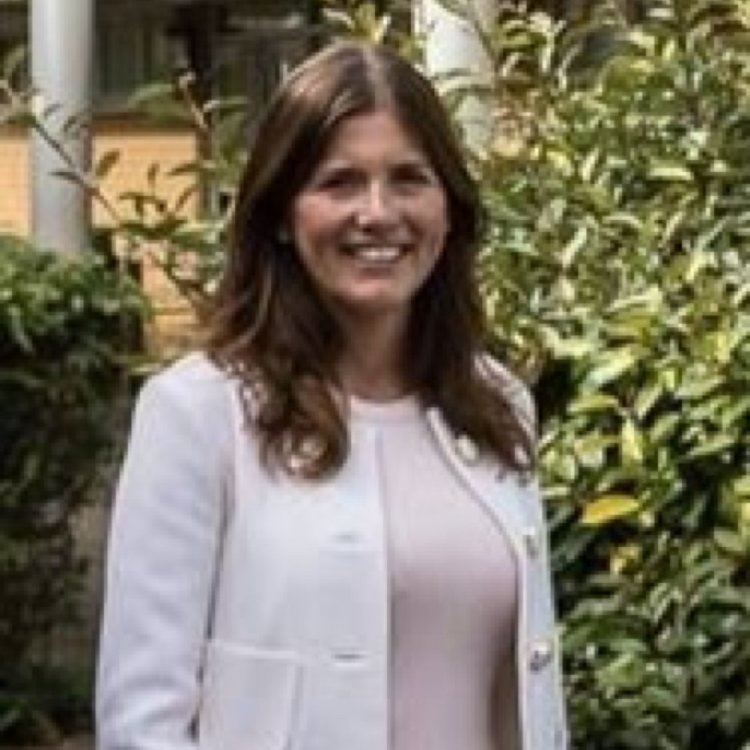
(337, 180)
(413, 176)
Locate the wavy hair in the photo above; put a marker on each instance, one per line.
(268, 326)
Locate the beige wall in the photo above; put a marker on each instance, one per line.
(139, 148)
(14, 182)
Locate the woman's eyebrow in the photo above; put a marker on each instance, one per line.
(337, 163)
(417, 162)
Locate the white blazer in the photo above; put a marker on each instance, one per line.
(246, 610)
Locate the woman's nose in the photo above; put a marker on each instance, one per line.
(376, 206)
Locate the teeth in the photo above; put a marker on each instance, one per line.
(378, 254)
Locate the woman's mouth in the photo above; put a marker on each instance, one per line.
(372, 253)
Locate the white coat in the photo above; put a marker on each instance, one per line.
(246, 610)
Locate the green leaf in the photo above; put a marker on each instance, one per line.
(670, 172)
(589, 164)
(650, 299)
(11, 715)
(14, 61)
(593, 402)
(71, 176)
(572, 248)
(152, 173)
(631, 443)
(730, 542)
(624, 219)
(712, 446)
(566, 348)
(609, 508)
(191, 168)
(742, 293)
(707, 237)
(673, 223)
(698, 261)
(734, 412)
(647, 398)
(698, 387)
(665, 700)
(106, 163)
(590, 449)
(18, 331)
(151, 92)
(645, 42)
(613, 365)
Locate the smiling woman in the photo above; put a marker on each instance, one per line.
(326, 533)
(356, 145)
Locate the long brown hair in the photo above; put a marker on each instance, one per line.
(270, 329)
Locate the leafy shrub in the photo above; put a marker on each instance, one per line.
(65, 324)
(617, 273)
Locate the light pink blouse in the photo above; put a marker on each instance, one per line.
(453, 596)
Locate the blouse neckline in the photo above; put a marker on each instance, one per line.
(397, 409)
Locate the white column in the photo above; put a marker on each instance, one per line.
(61, 33)
(451, 45)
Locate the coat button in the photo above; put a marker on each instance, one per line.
(347, 657)
(467, 449)
(531, 538)
(541, 655)
(346, 538)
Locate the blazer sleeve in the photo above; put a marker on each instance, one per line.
(162, 556)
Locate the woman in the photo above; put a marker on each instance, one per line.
(324, 536)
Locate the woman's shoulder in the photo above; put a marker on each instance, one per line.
(191, 370)
(192, 383)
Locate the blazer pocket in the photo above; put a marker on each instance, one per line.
(249, 698)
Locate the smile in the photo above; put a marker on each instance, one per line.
(376, 253)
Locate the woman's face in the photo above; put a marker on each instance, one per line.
(371, 221)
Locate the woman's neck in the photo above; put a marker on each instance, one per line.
(372, 365)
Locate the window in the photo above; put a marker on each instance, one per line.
(132, 48)
(13, 25)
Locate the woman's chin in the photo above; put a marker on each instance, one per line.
(373, 302)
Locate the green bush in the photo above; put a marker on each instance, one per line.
(617, 274)
(65, 324)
